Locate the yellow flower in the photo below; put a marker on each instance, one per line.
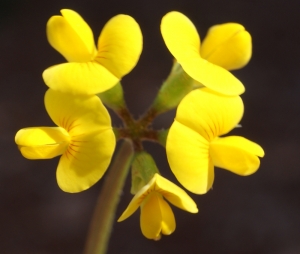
(156, 215)
(91, 71)
(193, 144)
(226, 47)
(84, 138)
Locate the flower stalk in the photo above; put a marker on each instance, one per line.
(104, 213)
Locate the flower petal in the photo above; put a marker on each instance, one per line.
(151, 217)
(120, 45)
(188, 157)
(92, 140)
(168, 224)
(156, 217)
(182, 39)
(227, 45)
(180, 35)
(79, 78)
(131, 208)
(71, 36)
(85, 161)
(42, 142)
(212, 76)
(209, 113)
(175, 195)
(77, 114)
(138, 199)
(236, 154)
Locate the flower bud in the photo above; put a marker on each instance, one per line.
(142, 170)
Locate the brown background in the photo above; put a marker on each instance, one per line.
(256, 214)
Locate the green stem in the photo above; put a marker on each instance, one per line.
(104, 213)
(147, 119)
(177, 85)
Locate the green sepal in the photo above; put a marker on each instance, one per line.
(162, 137)
(113, 98)
(143, 169)
(177, 85)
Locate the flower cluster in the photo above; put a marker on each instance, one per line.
(200, 85)
(84, 138)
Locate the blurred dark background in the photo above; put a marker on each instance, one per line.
(255, 214)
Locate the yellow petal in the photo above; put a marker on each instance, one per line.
(120, 45)
(182, 39)
(92, 140)
(71, 36)
(236, 154)
(131, 208)
(180, 35)
(227, 45)
(188, 157)
(169, 190)
(156, 217)
(42, 142)
(79, 78)
(175, 195)
(77, 114)
(212, 76)
(208, 113)
(168, 224)
(138, 199)
(85, 161)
